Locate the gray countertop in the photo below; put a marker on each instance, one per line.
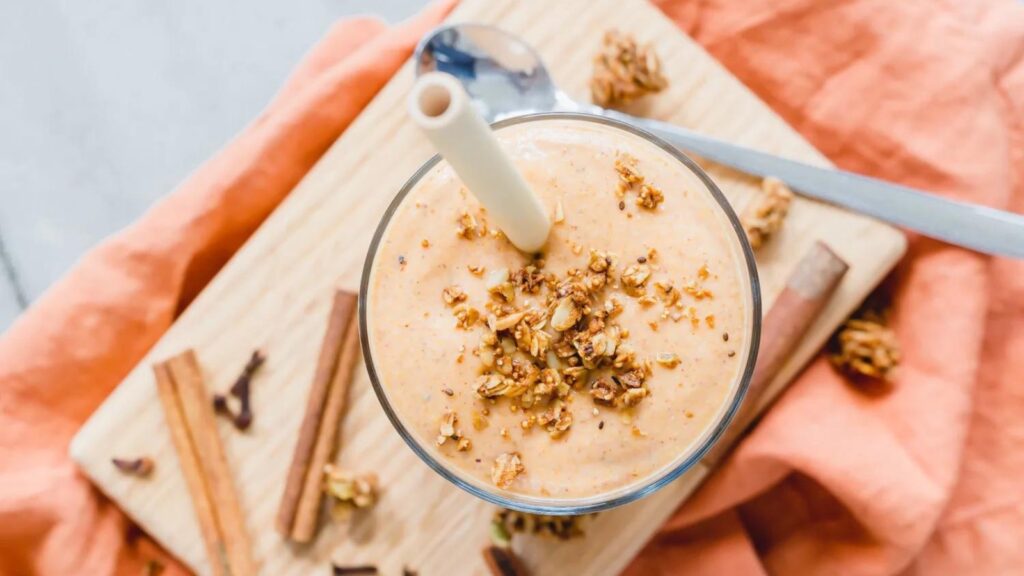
(106, 105)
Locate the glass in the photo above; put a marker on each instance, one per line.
(625, 494)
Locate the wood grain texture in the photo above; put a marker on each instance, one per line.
(276, 293)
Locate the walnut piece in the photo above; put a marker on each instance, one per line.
(453, 295)
(349, 490)
(465, 316)
(506, 468)
(764, 216)
(469, 228)
(624, 71)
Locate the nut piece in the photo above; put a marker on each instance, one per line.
(498, 284)
(505, 469)
(469, 228)
(635, 276)
(453, 295)
(649, 197)
(349, 490)
(466, 316)
(565, 315)
(765, 214)
(624, 71)
(447, 429)
(668, 359)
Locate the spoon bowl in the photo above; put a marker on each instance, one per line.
(503, 75)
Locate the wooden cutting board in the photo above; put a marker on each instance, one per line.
(276, 292)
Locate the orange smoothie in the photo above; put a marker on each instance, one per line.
(588, 368)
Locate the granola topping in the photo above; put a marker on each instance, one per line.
(866, 346)
(648, 196)
(624, 71)
(348, 490)
(506, 468)
(764, 216)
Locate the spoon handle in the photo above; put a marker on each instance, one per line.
(973, 226)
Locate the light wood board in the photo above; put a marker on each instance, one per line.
(276, 292)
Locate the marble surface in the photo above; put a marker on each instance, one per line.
(106, 105)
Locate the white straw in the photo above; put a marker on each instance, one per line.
(442, 109)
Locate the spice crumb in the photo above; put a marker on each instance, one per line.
(425, 243)
(600, 425)
(448, 391)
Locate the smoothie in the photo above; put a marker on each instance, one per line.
(579, 371)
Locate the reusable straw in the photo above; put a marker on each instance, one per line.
(442, 109)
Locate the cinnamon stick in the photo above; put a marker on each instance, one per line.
(298, 513)
(201, 454)
(807, 291)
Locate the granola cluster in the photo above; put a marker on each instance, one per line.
(624, 71)
(764, 216)
(448, 431)
(866, 346)
(547, 338)
(648, 196)
(506, 468)
(506, 523)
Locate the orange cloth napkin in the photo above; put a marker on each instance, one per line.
(924, 479)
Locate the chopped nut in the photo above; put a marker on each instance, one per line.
(469, 228)
(498, 284)
(565, 315)
(696, 291)
(453, 295)
(466, 316)
(559, 213)
(765, 214)
(476, 270)
(447, 429)
(556, 419)
(668, 359)
(703, 273)
(635, 276)
(710, 320)
(631, 397)
(349, 490)
(624, 71)
(649, 197)
(505, 469)
(668, 293)
(529, 279)
(464, 445)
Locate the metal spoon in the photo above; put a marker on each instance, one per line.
(505, 77)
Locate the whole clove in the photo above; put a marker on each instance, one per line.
(503, 562)
(140, 467)
(241, 391)
(353, 570)
(153, 568)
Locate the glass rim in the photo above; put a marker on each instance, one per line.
(622, 495)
